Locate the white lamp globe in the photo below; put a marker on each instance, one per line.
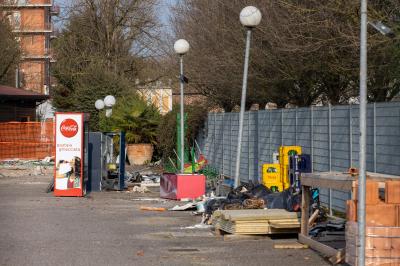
(99, 104)
(109, 101)
(181, 47)
(250, 16)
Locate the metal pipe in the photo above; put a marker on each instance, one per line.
(363, 133)
(182, 121)
(242, 107)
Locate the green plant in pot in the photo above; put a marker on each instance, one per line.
(139, 121)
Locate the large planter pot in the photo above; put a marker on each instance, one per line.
(139, 154)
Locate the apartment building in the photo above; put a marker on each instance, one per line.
(31, 21)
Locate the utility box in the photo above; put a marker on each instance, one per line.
(271, 177)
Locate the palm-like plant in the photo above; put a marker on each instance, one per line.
(136, 118)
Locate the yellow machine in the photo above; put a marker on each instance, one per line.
(271, 177)
(284, 153)
(276, 176)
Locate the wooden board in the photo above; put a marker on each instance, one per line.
(335, 256)
(259, 214)
(294, 245)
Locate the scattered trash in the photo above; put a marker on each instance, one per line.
(50, 186)
(153, 209)
(188, 206)
(198, 226)
(149, 199)
(331, 226)
(151, 178)
(48, 159)
(254, 203)
(200, 207)
(183, 250)
(139, 189)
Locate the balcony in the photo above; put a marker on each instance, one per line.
(46, 28)
(48, 54)
(25, 3)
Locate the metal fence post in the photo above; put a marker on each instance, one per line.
(282, 127)
(351, 134)
(295, 128)
(269, 134)
(215, 139)
(258, 147)
(312, 137)
(375, 137)
(330, 152)
(223, 146)
(230, 145)
(248, 145)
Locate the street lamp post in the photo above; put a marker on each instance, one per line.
(363, 133)
(181, 47)
(250, 17)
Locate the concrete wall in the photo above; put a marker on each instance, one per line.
(329, 134)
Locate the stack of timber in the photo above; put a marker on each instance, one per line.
(382, 238)
(256, 222)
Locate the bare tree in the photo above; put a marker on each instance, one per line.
(302, 52)
(102, 50)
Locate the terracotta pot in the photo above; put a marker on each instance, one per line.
(139, 154)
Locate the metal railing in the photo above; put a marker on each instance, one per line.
(28, 28)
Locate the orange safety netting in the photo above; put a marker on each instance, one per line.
(26, 140)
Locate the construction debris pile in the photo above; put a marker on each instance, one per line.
(19, 167)
(248, 197)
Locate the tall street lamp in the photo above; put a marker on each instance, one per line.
(250, 17)
(363, 132)
(181, 47)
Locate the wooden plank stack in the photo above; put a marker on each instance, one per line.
(256, 222)
(382, 223)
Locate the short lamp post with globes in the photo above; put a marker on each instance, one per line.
(250, 17)
(181, 47)
(108, 102)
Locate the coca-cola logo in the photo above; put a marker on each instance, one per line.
(69, 128)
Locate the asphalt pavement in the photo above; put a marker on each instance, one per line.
(108, 228)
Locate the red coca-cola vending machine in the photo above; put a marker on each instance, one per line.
(70, 154)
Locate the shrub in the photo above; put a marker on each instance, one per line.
(135, 117)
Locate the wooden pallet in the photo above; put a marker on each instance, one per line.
(256, 222)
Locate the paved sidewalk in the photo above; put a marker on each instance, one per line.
(109, 229)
